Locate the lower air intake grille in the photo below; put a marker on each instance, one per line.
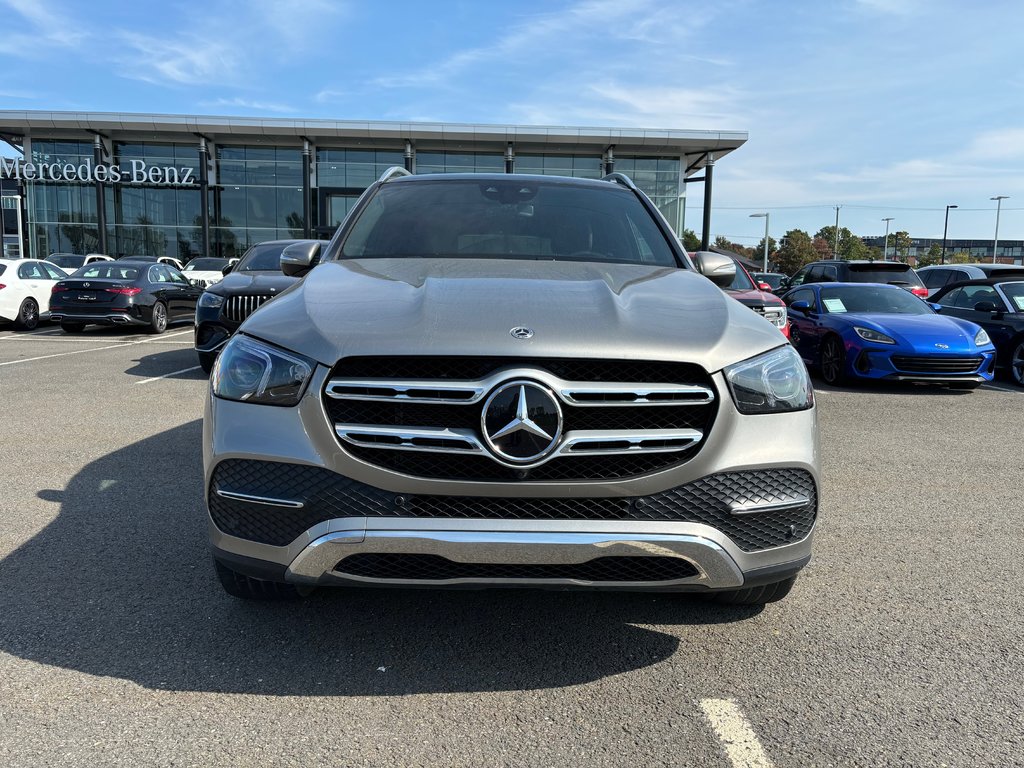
(327, 495)
(435, 568)
(912, 364)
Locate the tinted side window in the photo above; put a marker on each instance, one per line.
(949, 300)
(956, 275)
(814, 276)
(805, 295)
(53, 272)
(935, 278)
(829, 274)
(30, 272)
(800, 277)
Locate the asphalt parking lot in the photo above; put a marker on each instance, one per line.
(900, 644)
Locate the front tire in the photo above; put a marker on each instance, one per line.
(833, 361)
(158, 318)
(1017, 364)
(28, 315)
(247, 588)
(760, 595)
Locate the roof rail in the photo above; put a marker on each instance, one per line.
(620, 178)
(394, 170)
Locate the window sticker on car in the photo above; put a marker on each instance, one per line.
(1019, 301)
(834, 305)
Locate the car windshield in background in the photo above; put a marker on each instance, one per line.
(872, 299)
(66, 260)
(108, 271)
(897, 274)
(1015, 293)
(261, 258)
(206, 265)
(514, 219)
(741, 282)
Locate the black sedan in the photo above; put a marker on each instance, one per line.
(997, 305)
(124, 293)
(252, 282)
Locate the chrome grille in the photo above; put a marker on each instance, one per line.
(639, 418)
(238, 308)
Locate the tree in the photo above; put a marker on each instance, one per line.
(960, 257)
(850, 248)
(899, 245)
(758, 253)
(822, 250)
(690, 240)
(796, 250)
(728, 245)
(933, 256)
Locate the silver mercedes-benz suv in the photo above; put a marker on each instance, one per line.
(509, 380)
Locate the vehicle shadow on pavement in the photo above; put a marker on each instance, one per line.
(120, 584)
(182, 363)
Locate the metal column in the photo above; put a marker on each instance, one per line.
(609, 159)
(307, 191)
(408, 156)
(101, 198)
(510, 159)
(204, 193)
(705, 236)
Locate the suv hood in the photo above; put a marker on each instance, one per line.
(252, 283)
(469, 306)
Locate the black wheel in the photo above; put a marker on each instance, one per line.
(247, 588)
(833, 361)
(766, 593)
(28, 315)
(72, 327)
(158, 318)
(1017, 364)
(206, 360)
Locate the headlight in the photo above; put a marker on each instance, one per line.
(982, 339)
(774, 382)
(253, 372)
(210, 300)
(868, 335)
(776, 316)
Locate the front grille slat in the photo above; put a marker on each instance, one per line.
(921, 364)
(238, 308)
(326, 495)
(654, 414)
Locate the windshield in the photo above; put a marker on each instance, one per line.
(741, 282)
(68, 260)
(898, 274)
(206, 265)
(522, 218)
(878, 299)
(106, 270)
(1015, 293)
(262, 258)
(773, 279)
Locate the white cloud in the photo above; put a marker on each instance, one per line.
(256, 106)
(46, 28)
(186, 60)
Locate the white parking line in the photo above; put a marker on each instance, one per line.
(736, 734)
(80, 351)
(1001, 389)
(172, 373)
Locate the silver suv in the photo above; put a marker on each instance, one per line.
(506, 380)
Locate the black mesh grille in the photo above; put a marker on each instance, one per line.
(328, 495)
(435, 568)
(482, 468)
(912, 364)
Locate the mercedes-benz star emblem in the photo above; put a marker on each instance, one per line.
(521, 422)
(519, 332)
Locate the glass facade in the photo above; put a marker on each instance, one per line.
(257, 192)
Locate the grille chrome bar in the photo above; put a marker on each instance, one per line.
(238, 308)
(454, 392)
(586, 442)
(749, 508)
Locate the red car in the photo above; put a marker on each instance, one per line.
(745, 291)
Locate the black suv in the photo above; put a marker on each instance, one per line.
(839, 271)
(253, 281)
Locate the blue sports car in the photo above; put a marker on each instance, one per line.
(854, 331)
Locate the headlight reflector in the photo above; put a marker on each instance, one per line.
(869, 335)
(774, 382)
(982, 338)
(211, 300)
(253, 372)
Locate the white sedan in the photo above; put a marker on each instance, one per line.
(25, 287)
(204, 272)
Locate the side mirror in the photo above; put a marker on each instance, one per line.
(298, 258)
(986, 306)
(936, 307)
(801, 306)
(229, 268)
(719, 269)
(764, 287)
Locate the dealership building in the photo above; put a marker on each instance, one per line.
(186, 185)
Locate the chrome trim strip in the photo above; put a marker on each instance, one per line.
(270, 502)
(573, 443)
(771, 506)
(616, 393)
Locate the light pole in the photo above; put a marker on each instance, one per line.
(885, 248)
(835, 246)
(945, 230)
(765, 217)
(995, 241)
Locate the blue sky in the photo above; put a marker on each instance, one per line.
(886, 107)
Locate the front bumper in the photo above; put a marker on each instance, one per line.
(490, 533)
(887, 364)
